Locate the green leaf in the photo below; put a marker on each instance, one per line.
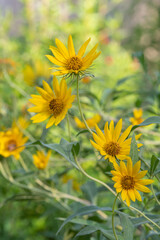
(93, 225)
(134, 150)
(87, 230)
(64, 148)
(127, 225)
(75, 148)
(90, 229)
(141, 220)
(44, 133)
(154, 164)
(90, 190)
(83, 211)
(148, 121)
(109, 234)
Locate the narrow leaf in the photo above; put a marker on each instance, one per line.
(148, 121)
(154, 164)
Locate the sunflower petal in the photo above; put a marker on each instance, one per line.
(71, 46)
(117, 130)
(125, 134)
(142, 188)
(83, 48)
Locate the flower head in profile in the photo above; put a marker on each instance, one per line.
(12, 142)
(53, 104)
(137, 119)
(129, 180)
(67, 61)
(111, 144)
(41, 160)
(91, 122)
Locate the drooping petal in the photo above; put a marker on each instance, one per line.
(50, 122)
(124, 194)
(127, 200)
(137, 195)
(131, 194)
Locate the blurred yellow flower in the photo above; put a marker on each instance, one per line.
(31, 74)
(137, 119)
(86, 80)
(22, 123)
(41, 160)
(111, 144)
(75, 184)
(91, 122)
(128, 180)
(68, 61)
(51, 104)
(11, 142)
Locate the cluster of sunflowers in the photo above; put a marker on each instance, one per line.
(54, 104)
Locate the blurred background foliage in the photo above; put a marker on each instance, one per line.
(126, 76)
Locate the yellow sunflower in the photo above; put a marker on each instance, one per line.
(111, 144)
(51, 104)
(91, 122)
(137, 119)
(41, 160)
(68, 61)
(128, 180)
(11, 142)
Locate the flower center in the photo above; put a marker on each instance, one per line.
(127, 182)
(11, 145)
(56, 106)
(74, 63)
(112, 148)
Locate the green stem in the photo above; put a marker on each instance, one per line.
(154, 195)
(79, 106)
(92, 178)
(113, 212)
(69, 129)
